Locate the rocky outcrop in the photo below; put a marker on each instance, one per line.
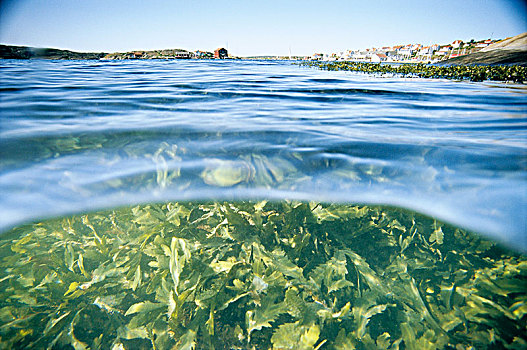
(24, 52)
(511, 51)
(517, 43)
(156, 54)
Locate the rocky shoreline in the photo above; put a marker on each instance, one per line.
(149, 55)
(24, 52)
(500, 64)
(515, 73)
(496, 57)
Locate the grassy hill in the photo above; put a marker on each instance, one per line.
(24, 52)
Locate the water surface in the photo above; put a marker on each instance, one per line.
(218, 204)
(86, 135)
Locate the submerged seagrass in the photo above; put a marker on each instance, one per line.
(258, 275)
(514, 73)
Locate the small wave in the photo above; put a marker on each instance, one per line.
(78, 136)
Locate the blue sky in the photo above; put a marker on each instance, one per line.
(254, 27)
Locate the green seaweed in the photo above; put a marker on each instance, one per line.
(510, 73)
(258, 275)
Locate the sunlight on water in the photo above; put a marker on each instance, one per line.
(258, 275)
(86, 135)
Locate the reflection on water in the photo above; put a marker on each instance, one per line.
(258, 275)
(81, 135)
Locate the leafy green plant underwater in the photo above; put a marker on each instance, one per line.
(258, 275)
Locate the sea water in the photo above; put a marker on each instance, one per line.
(258, 204)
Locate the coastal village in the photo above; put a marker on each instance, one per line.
(509, 51)
(409, 53)
(219, 53)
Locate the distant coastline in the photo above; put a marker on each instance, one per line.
(511, 51)
(25, 52)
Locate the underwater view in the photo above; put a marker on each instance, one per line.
(259, 205)
(258, 275)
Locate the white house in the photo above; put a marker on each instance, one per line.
(346, 55)
(358, 56)
(456, 44)
(444, 49)
(405, 52)
(378, 57)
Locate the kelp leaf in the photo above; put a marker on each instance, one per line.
(519, 309)
(336, 285)
(145, 318)
(395, 224)
(223, 265)
(132, 333)
(142, 307)
(481, 302)
(286, 336)
(72, 288)
(344, 341)
(296, 306)
(187, 341)
(69, 257)
(309, 337)
(323, 214)
(210, 322)
(263, 316)
(408, 335)
(176, 212)
(366, 272)
(232, 300)
(241, 226)
(80, 263)
(295, 336)
(383, 341)
(332, 273)
(18, 246)
(362, 317)
(110, 270)
(72, 340)
(285, 266)
(343, 312)
(137, 278)
(437, 236)
(108, 302)
(449, 320)
(178, 260)
(51, 327)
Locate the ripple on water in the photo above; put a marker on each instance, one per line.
(82, 135)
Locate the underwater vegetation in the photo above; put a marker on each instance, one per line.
(258, 275)
(513, 73)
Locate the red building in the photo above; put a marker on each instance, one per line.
(221, 53)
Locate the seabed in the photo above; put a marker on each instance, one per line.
(258, 275)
